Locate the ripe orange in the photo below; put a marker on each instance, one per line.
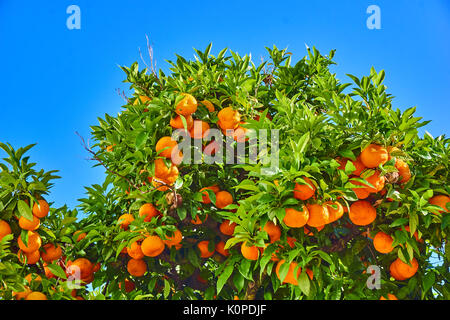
(223, 199)
(228, 118)
(249, 252)
(33, 277)
(110, 148)
(199, 130)
(239, 134)
(128, 285)
(28, 257)
(175, 239)
(382, 242)
(187, 106)
(29, 225)
(152, 246)
(310, 273)
(136, 267)
(34, 242)
(362, 213)
(273, 231)
(148, 211)
(22, 295)
(177, 122)
(134, 251)
(51, 253)
(361, 193)
(81, 268)
(403, 170)
(377, 181)
(205, 195)
(208, 105)
(161, 184)
(141, 100)
(197, 220)
(359, 166)
(220, 248)
(211, 148)
(96, 267)
(309, 232)
(166, 146)
(416, 235)
(36, 296)
(334, 213)
(441, 201)
(304, 191)
(81, 235)
(125, 220)
(318, 215)
(41, 209)
(227, 227)
(403, 271)
(164, 172)
(203, 247)
(374, 155)
(295, 218)
(291, 241)
(290, 277)
(390, 296)
(5, 229)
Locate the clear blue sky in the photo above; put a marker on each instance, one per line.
(57, 81)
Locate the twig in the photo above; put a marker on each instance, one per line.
(123, 96)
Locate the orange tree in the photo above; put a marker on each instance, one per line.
(355, 207)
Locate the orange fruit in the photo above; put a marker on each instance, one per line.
(28, 257)
(220, 248)
(161, 184)
(318, 215)
(166, 146)
(96, 267)
(310, 273)
(197, 220)
(361, 193)
(41, 209)
(204, 251)
(362, 213)
(187, 106)
(227, 227)
(359, 166)
(199, 130)
(148, 211)
(249, 252)
(290, 277)
(29, 225)
(304, 191)
(205, 195)
(223, 199)
(403, 271)
(377, 181)
(164, 172)
(136, 267)
(334, 213)
(128, 285)
(22, 295)
(125, 220)
(33, 277)
(309, 232)
(81, 268)
(152, 246)
(5, 229)
(273, 231)
(175, 239)
(177, 122)
(441, 201)
(403, 170)
(239, 134)
(228, 118)
(390, 296)
(374, 155)
(208, 105)
(134, 251)
(81, 235)
(382, 242)
(51, 253)
(291, 241)
(416, 235)
(110, 148)
(141, 100)
(211, 148)
(36, 296)
(34, 242)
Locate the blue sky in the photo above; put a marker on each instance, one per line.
(57, 81)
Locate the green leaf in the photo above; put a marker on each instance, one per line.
(428, 281)
(141, 138)
(57, 271)
(25, 210)
(303, 282)
(166, 288)
(223, 277)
